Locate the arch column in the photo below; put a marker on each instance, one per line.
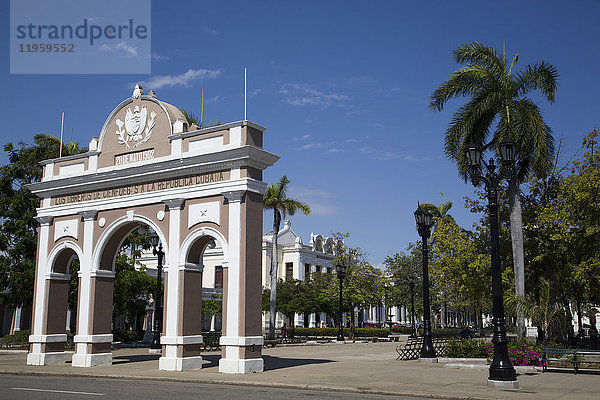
(181, 337)
(48, 338)
(242, 339)
(95, 302)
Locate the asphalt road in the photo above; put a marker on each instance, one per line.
(67, 388)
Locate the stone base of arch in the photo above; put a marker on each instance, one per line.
(181, 353)
(46, 358)
(242, 355)
(47, 349)
(92, 350)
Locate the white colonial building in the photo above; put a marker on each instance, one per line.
(298, 261)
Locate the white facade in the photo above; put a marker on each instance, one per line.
(296, 260)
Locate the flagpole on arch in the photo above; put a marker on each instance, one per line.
(245, 91)
(62, 123)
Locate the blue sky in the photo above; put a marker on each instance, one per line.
(342, 88)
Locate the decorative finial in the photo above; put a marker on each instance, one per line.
(138, 91)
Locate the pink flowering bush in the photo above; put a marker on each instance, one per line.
(521, 352)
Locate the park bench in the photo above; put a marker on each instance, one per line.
(412, 349)
(395, 337)
(210, 341)
(575, 357)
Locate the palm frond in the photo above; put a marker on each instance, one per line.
(534, 139)
(540, 76)
(475, 53)
(467, 81)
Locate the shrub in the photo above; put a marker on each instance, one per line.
(520, 353)
(19, 339)
(126, 336)
(466, 348)
(332, 332)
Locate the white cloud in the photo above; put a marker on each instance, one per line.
(351, 140)
(411, 157)
(159, 81)
(209, 31)
(297, 139)
(311, 145)
(302, 94)
(380, 154)
(214, 99)
(317, 200)
(255, 92)
(335, 150)
(130, 51)
(157, 57)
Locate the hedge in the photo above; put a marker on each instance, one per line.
(19, 339)
(332, 332)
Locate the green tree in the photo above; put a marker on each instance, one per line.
(193, 119)
(213, 307)
(569, 222)
(498, 106)
(276, 199)
(542, 308)
(133, 288)
(402, 267)
(18, 227)
(460, 272)
(440, 213)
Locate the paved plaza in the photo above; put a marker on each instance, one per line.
(358, 367)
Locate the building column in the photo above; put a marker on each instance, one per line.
(403, 314)
(17, 319)
(181, 337)
(95, 301)
(242, 338)
(48, 338)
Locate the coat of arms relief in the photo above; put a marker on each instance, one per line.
(138, 126)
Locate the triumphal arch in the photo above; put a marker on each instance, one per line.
(191, 186)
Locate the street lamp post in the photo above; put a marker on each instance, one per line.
(411, 283)
(502, 373)
(157, 327)
(341, 272)
(424, 222)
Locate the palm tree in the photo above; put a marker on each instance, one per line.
(498, 107)
(440, 213)
(276, 199)
(543, 311)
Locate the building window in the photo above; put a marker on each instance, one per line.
(289, 271)
(328, 270)
(318, 269)
(218, 277)
(306, 272)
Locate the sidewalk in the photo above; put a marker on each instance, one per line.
(359, 367)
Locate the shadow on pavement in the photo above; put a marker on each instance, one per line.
(134, 358)
(272, 363)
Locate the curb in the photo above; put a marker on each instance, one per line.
(252, 384)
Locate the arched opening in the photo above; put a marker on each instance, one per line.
(207, 252)
(61, 285)
(118, 292)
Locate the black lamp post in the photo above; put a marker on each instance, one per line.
(341, 272)
(157, 328)
(411, 283)
(501, 368)
(424, 222)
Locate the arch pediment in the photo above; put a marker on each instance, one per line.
(137, 130)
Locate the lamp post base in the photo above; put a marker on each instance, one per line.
(503, 385)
